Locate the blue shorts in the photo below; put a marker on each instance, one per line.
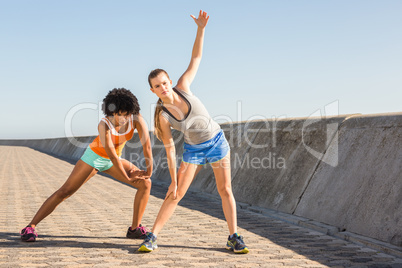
(210, 151)
(98, 162)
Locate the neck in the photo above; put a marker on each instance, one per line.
(111, 119)
(172, 99)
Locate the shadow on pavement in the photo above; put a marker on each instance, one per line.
(14, 241)
(74, 241)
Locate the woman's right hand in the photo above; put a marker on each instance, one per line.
(202, 19)
(172, 190)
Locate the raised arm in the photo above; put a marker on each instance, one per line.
(188, 76)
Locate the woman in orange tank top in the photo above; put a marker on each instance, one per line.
(103, 154)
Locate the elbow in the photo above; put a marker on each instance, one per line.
(148, 148)
(171, 150)
(196, 59)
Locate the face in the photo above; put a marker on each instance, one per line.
(161, 86)
(121, 118)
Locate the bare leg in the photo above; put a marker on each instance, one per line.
(185, 176)
(81, 173)
(143, 191)
(224, 185)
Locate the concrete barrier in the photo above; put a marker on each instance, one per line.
(363, 193)
(344, 171)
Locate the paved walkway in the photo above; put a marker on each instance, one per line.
(88, 229)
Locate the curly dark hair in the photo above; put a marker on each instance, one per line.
(120, 100)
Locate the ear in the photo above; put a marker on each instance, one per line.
(153, 91)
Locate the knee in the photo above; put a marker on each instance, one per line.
(145, 184)
(148, 184)
(180, 195)
(225, 191)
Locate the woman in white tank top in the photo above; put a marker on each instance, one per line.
(204, 141)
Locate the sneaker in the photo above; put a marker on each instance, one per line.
(138, 233)
(236, 244)
(28, 234)
(149, 243)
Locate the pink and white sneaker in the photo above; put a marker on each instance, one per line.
(28, 234)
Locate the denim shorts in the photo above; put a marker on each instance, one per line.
(98, 162)
(210, 151)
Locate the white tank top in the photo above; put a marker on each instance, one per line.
(197, 126)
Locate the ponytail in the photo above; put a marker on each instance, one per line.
(157, 122)
(158, 109)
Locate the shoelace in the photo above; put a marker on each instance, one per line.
(144, 230)
(239, 240)
(149, 237)
(28, 230)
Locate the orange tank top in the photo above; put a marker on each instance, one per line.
(119, 140)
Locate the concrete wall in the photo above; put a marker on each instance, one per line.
(363, 194)
(344, 171)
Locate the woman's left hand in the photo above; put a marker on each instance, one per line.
(202, 19)
(137, 174)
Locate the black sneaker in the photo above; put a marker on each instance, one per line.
(149, 243)
(236, 244)
(138, 233)
(28, 234)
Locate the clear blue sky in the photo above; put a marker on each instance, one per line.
(276, 58)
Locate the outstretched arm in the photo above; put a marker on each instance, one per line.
(168, 142)
(187, 78)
